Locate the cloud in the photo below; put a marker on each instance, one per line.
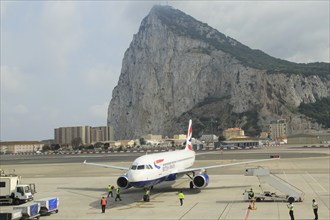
(20, 109)
(101, 75)
(99, 110)
(62, 24)
(12, 80)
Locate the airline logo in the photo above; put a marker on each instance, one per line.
(156, 162)
(189, 136)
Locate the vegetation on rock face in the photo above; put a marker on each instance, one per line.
(185, 25)
(319, 111)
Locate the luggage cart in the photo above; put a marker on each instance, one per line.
(48, 205)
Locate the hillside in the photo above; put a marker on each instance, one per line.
(178, 68)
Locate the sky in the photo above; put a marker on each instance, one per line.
(60, 60)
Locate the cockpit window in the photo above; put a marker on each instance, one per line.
(140, 167)
(150, 167)
(133, 167)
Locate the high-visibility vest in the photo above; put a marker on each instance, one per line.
(147, 192)
(109, 188)
(117, 190)
(181, 196)
(290, 207)
(103, 201)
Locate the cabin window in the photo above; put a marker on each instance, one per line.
(133, 167)
(140, 167)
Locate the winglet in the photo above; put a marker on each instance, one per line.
(189, 136)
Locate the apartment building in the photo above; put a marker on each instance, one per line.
(277, 128)
(65, 135)
(101, 134)
(87, 134)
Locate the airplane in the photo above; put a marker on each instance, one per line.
(152, 169)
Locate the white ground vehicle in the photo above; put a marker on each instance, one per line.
(291, 193)
(12, 192)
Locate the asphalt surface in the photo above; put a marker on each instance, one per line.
(130, 157)
(80, 187)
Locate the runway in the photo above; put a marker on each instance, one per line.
(80, 187)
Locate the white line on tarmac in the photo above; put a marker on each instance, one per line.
(316, 181)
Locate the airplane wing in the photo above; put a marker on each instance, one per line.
(106, 166)
(223, 165)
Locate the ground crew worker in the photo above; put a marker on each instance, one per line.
(117, 194)
(290, 207)
(110, 188)
(181, 197)
(146, 195)
(251, 199)
(251, 195)
(315, 208)
(103, 204)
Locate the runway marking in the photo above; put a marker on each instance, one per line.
(247, 214)
(223, 211)
(316, 181)
(188, 210)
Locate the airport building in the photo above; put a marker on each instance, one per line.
(209, 138)
(277, 129)
(13, 147)
(153, 137)
(233, 132)
(241, 142)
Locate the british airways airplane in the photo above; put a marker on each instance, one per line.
(149, 170)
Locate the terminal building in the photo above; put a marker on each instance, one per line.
(241, 142)
(233, 132)
(13, 147)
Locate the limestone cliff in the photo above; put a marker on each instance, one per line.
(178, 68)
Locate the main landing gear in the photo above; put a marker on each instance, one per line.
(191, 184)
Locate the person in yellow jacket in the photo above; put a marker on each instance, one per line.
(181, 197)
(110, 193)
(290, 207)
(117, 194)
(315, 208)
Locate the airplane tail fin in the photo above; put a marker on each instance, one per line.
(189, 136)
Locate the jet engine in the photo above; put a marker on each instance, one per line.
(201, 180)
(123, 183)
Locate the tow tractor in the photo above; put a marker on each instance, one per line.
(266, 196)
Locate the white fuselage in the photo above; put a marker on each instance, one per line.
(149, 170)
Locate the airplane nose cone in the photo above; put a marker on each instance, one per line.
(134, 176)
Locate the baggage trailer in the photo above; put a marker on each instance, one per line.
(29, 211)
(15, 215)
(48, 205)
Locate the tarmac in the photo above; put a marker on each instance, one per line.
(81, 187)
